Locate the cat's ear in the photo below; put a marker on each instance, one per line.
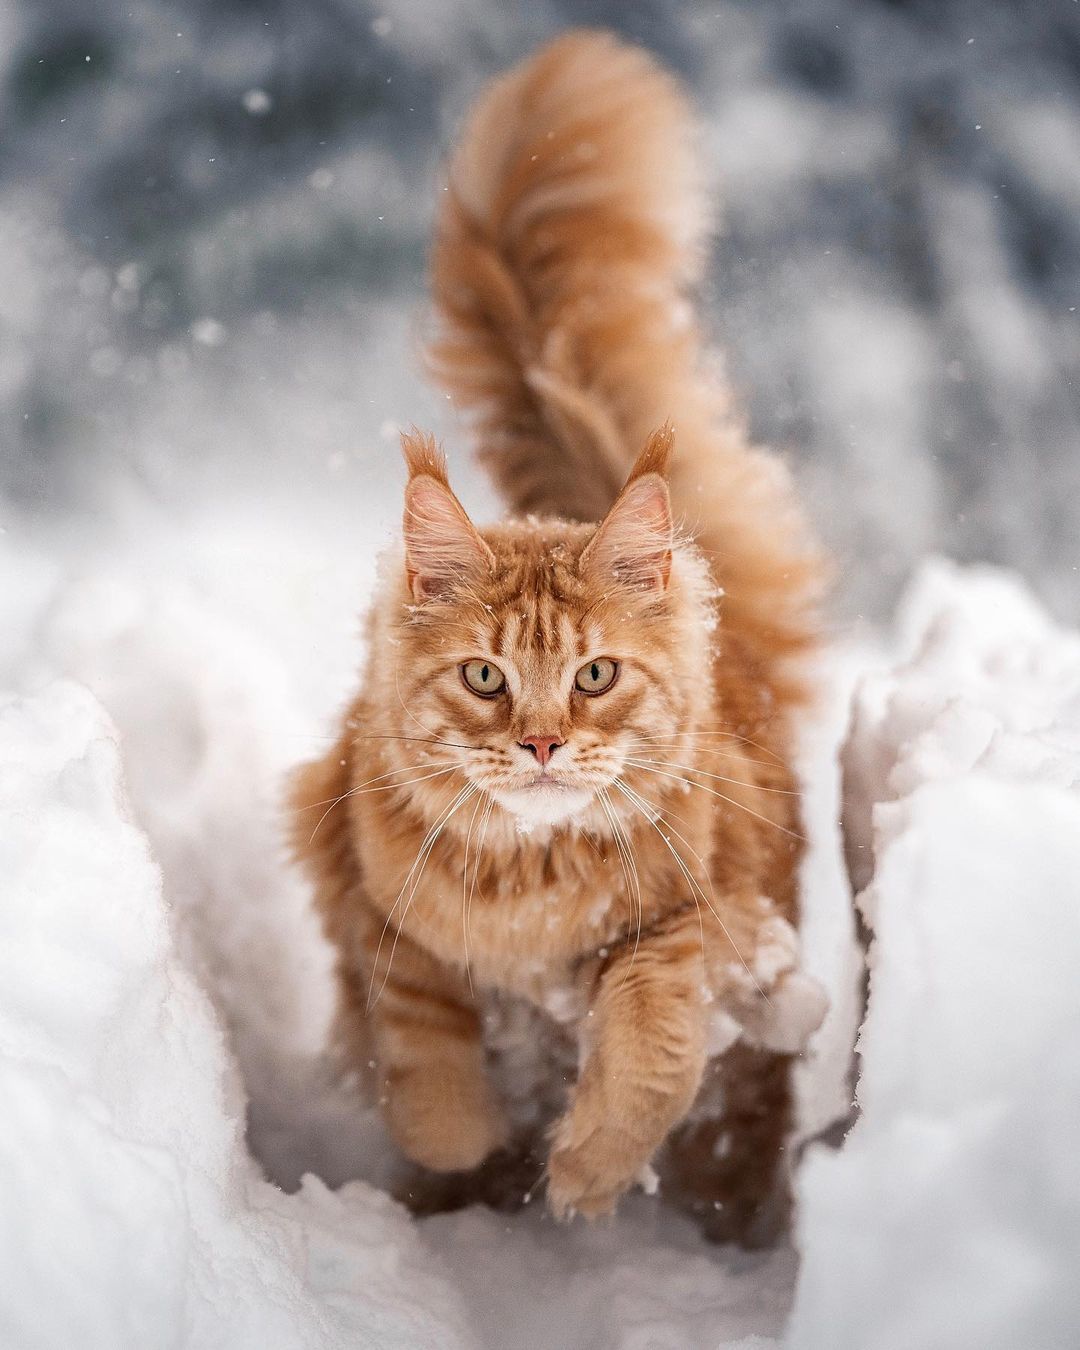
(633, 541)
(442, 545)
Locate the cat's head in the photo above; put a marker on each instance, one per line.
(545, 657)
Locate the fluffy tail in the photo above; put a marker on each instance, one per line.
(571, 230)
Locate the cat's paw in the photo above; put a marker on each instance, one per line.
(588, 1178)
(592, 1163)
(446, 1121)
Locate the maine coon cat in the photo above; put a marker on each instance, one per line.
(566, 776)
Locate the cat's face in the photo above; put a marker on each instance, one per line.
(544, 684)
(547, 655)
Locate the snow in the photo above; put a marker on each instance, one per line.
(131, 1212)
(951, 1217)
(180, 1166)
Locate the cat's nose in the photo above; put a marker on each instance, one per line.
(543, 747)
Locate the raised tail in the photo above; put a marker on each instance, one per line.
(571, 230)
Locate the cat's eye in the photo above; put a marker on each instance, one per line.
(483, 678)
(597, 677)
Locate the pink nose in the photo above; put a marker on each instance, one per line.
(543, 747)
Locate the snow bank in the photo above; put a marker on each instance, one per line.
(951, 1218)
(130, 1212)
(140, 1012)
(137, 1013)
(217, 677)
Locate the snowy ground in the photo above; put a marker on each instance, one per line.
(155, 982)
(160, 970)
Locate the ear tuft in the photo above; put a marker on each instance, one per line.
(422, 455)
(633, 542)
(656, 454)
(442, 546)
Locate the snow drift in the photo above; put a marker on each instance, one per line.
(160, 973)
(192, 992)
(130, 1212)
(951, 1217)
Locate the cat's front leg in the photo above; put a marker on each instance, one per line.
(433, 1084)
(645, 1045)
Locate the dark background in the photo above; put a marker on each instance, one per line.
(214, 216)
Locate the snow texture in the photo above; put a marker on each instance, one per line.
(179, 1166)
(951, 1217)
(148, 991)
(130, 1212)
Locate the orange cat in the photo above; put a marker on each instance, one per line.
(566, 776)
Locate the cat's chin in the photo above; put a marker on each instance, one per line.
(544, 805)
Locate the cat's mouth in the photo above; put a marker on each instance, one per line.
(543, 798)
(545, 783)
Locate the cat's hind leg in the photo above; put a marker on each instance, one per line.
(506, 1181)
(728, 1164)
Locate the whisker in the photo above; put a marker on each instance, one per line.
(464, 889)
(405, 768)
(526, 1199)
(719, 777)
(639, 803)
(644, 768)
(659, 747)
(387, 787)
(420, 860)
(696, 748)
(432, 831)
(636, 802)
(725, 735)
(630, 795)
(417, 740)
(593, 845)
(476, 875)
(605, 804)
(469, 790)
(637, 889)
(633, 884)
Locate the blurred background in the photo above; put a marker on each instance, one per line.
(214, 216)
